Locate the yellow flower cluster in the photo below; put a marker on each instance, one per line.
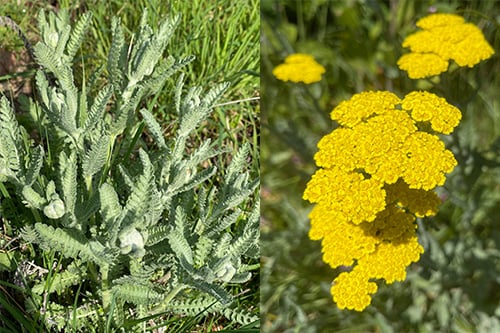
(443, 37)
(377, 173)
(299, 67)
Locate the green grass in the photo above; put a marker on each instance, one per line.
(224, 37)
(454, 287)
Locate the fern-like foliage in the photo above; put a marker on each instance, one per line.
(68, 184)
(141, 196)
(239, 316)
(83, 318)
(69, 242)
(97, 109)
(133, 291)
(110, 211)
(154, 128)
(193, 307)
(34, 165)
(140, 225)
(96, 156)
(208, 304)
(32, 198)
(178, 241)
(77, 34)
(216, 258)
(11, 143)
(194, 109)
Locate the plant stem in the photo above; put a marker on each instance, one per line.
(168, 298)
(106, 292)
(173, 293)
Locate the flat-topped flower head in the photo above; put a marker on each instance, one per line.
(377, 172)
(382, 249)
(379, 135)
(444, 37)
(352, 291)
(299, 67)
(419, 202)
(363, 106)
(420, 65)
(427, 107)
(439, 20)
(353, 197)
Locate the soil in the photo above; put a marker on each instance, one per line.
(15, 65)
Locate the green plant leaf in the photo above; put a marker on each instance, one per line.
(77, 34)
(117, 55)
(68, 178)
(141, 195)
(96, 156)
(137, 293)
(98, 108)
(154, 128)
(214, 290)
(35, 163)
(110, 210)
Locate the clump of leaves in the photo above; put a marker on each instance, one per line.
(140, 230)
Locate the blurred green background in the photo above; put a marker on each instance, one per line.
(455, 287)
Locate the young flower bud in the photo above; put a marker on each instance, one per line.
(55, 209)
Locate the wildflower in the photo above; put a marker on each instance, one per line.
(299, 67)
(377, 172)
(420, 65)
(394, 246)
(362, 106)
(444, 37)
(379, 135)
(422, 106)
(343, 242)
(427, 161)
(337, 189)
(352, 291)
(419, 202)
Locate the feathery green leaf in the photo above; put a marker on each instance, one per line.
(68, 173)
(137, 293)
(34, 165)
(117, 55)
(154, 128)
(72, 275)
(32, 198)
(77, 34)
(157, 234)
(96, 156)
(110, 210)
(98, 108)
(214, 290)
(141, 194)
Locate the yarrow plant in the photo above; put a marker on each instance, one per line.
(299, 67)
(443, 37)
(378, 170)
(138, 228)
